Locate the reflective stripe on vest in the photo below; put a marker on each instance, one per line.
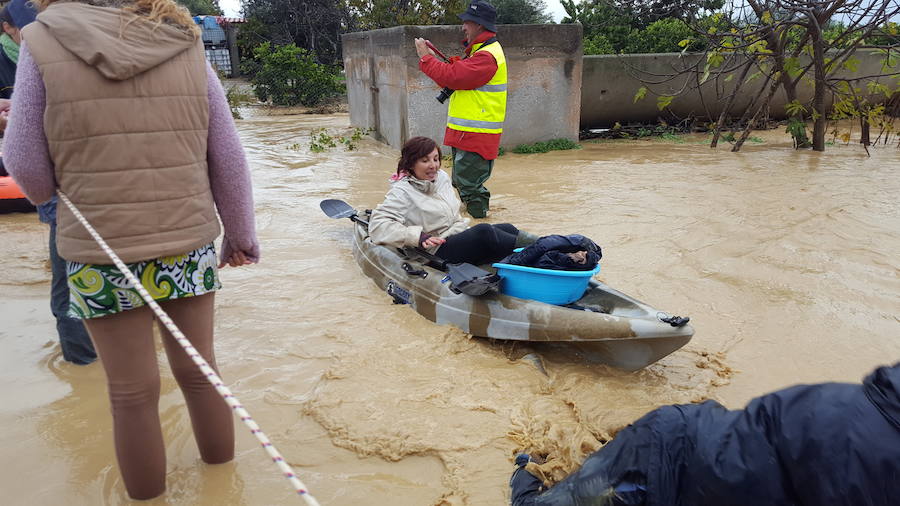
(483, 109)
(492, 87)
(475, 123)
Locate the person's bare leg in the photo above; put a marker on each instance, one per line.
(211, 417)
(124, 342)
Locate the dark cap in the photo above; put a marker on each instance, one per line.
(22, 12)
(482, 13)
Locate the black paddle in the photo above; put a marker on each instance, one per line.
(334, 208)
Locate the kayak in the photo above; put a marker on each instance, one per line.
(11, 197)
(607, 325)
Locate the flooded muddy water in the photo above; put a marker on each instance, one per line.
(786, 262)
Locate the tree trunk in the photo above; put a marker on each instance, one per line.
(762, 105)
(864, 134)
(819, 121)
(727, 108)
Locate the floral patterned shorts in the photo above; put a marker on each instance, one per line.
(100, 290)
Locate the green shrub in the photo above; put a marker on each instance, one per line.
(321, 140)
(543, 147)
(663, 36)
(598, 44)
(289, 75)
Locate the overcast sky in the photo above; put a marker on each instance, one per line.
(232, 8)
(555, 9)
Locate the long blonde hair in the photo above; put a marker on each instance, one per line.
(155, 11)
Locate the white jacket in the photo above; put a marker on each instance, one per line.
(413, 206)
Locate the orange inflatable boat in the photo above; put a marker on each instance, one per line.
(11, 197)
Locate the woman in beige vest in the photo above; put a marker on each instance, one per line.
(116, 106)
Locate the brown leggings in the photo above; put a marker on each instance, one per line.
(125, 344)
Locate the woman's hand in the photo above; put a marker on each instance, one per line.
(433, 241)
(235, 257)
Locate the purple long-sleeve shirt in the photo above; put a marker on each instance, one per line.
(26, 155)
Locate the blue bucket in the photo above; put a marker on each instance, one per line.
(545, 285)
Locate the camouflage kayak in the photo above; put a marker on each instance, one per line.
(611, 327)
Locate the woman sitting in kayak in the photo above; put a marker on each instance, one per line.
(422, 210)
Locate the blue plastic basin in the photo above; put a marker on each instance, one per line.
(545, 285)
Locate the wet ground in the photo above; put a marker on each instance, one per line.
(786, 262)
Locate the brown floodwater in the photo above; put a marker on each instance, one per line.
(785, 260)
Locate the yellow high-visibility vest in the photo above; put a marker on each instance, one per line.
(482, 109)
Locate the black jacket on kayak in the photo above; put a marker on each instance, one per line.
(826, 444)
(549, 252)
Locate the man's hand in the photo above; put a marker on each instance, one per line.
(421, 48)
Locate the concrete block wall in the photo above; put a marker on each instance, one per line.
(388, 93)
(611, 81)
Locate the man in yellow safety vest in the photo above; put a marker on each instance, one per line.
(477, 106)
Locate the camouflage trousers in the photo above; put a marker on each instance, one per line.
(470, 171)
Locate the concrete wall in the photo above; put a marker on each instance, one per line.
(387, 91)
(611, 81)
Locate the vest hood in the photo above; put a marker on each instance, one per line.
(120, 45)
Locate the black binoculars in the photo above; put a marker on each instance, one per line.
(444, 95)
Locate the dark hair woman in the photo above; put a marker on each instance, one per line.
(116, 105)
(422, 209)
(414, 150)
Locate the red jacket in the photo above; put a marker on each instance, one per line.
(467, 74)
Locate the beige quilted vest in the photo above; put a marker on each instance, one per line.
(126, 123)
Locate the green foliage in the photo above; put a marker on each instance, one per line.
(611, 27)
(641, 93)
(795, 108)
(890, 59)
(374, 14)
(544, 147)
(662, 131)
(608, 28)
(663, 101)
(637, 26)
(642, 13)
(236, 98)
(797, 128)
(672, 137)
(664, 36)
(321, 140)
(314, 25)
(196, 7)
(252, 34)
(714, 60)
(598, 44)
(886, 35)
(521, 12)
(289, 75)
